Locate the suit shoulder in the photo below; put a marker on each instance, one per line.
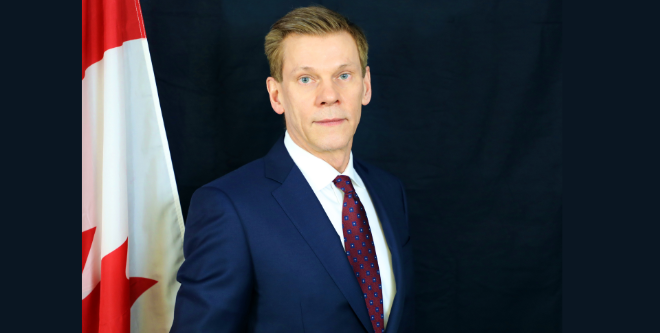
(247, 178)
(377, 172)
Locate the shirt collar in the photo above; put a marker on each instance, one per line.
(318, 172)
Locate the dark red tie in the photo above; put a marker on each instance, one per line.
(361, 252)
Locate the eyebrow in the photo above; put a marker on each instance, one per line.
(306, 68)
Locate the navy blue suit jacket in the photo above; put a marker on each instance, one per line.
(262, 256)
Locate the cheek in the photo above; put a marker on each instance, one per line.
(355, 94)
(355, 101)
(292, 105)
(304, 105)
(301, 110)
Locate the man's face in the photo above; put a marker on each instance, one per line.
(322, 90)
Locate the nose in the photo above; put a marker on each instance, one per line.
(328, 94)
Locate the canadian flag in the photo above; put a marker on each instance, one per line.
(132, 228)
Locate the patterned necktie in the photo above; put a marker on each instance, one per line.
(361, 252)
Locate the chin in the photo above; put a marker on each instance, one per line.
(331, 143)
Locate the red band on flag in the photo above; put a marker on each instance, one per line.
(107, 24)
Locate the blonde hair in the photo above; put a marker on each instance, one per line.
(313, 20)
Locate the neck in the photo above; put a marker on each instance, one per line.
(338, 158)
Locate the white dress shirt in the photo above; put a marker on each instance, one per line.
(319, 174)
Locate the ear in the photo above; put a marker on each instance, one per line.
(274, 89)
(366, 86)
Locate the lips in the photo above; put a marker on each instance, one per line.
(331, 121)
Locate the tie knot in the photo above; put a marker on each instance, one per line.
(343, 182)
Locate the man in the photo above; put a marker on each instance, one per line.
(306, 239)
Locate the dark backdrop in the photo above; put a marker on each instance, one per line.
(466, 110)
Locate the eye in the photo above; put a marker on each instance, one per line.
(305, 80)
(344, 76)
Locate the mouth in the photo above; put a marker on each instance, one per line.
(331, 121)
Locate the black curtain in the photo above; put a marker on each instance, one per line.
(466, 110)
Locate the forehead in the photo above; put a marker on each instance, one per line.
(327, 51)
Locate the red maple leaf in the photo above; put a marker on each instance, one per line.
(107, 308)
(87, 238)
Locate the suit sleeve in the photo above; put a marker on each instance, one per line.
(216, 277)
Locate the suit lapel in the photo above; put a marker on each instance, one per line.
(394, 243)
(299, 202)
